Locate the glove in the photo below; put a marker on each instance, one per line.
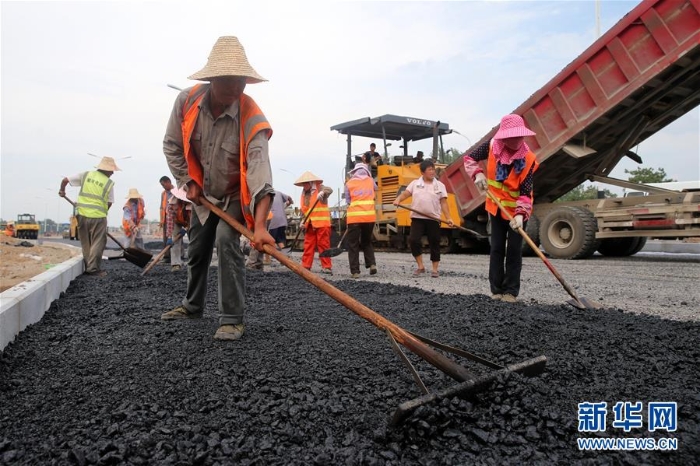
(517, 222)
(182, 232)
(169, 242)
(480, 182)
(322, 196)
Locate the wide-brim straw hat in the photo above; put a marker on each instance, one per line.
(512, 126)
(107, 164)
(228, 58)
(133, 194)
(307, 177)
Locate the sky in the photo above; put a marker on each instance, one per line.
(91, 77)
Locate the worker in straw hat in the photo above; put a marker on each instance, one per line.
(94, 200)
(216, 146)
(317, 229)
(134, 211)
(510, 165)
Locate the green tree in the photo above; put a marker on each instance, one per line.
(648, 175)
(582, 192)
(448, 156)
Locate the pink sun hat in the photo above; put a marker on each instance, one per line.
(512, 126)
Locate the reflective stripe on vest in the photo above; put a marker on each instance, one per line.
(321, 216)
(252, 121)
(94, 195)
(361, 208)
(508, 190)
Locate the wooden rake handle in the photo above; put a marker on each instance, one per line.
(534, 247)
(472, 232)
(160, 255)
(303, 222)
(425, 352)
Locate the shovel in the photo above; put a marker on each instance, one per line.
(581, 303)
(160, 255)
(471, 232)
(136, 256)
(303, 222)
(397, 335)
(332, 252)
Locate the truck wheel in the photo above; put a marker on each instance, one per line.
(533, 231)
(621, 247)
(569, 233)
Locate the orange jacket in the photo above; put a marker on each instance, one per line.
(507, 191)
(135, 217)
(252, 121)
(361, 208)
(321, 216)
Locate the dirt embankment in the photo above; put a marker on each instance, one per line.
(19, 263)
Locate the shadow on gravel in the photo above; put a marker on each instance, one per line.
(101, 380)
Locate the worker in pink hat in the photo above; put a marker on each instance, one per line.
(510, 165)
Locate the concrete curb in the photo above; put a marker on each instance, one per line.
(25, 303)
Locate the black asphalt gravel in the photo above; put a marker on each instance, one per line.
(102, 380)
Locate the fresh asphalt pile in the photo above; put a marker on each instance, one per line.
(101, 380)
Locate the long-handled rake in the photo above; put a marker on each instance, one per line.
(437, 219)
(397, 335)
(160, 255)
(579, 302)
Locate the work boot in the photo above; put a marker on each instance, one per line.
(327, 271)
(176, 268)
(373, 270)
(497, 297)
(509, 298)
(229, 332)
(254, 266)
(179, 313)
(355, 275)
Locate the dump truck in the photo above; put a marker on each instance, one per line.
(26, 227)
(637, 78)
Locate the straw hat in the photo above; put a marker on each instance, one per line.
(227, 58)
(512, 126)
(133, 194)
(107, 164)
(307, 177)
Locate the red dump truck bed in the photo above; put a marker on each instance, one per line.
(641, 75)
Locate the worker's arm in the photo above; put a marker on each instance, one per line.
(404, 195)
(472, 159)
(62, 189)
(259, 177)
(446, 211)
(173, 147)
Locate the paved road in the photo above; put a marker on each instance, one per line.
(657, 283)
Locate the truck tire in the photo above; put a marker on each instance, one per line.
(621, 247)
(569, 233)
(533, 231)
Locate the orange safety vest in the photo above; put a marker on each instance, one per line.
(136, 219)
(508, 190)
(163, 206)
(252, 121)
(361, 208)
(321, 216)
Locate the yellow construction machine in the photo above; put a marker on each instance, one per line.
(26, 227)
